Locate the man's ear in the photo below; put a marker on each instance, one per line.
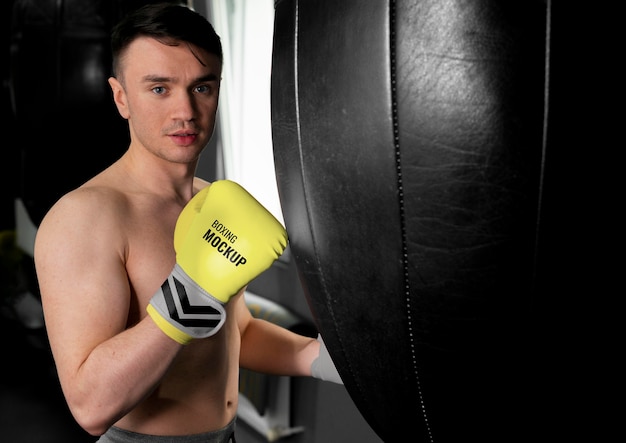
(119, 97)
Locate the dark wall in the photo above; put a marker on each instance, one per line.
(10, 155)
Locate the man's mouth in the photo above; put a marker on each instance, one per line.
(184, 138)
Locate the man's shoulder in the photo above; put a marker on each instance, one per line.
(96, 197)
(85, 205)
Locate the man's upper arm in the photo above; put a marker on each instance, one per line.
(82, 279)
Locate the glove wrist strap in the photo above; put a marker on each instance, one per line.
(183, 310)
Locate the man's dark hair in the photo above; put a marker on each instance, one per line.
(167, 22)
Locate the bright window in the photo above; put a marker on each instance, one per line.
(244, 123)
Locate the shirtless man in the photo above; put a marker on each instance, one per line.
(104, 250)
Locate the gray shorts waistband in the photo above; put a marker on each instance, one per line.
(118, 435)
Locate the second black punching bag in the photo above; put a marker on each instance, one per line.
(69, 127)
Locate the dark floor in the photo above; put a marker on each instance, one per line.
(32, 409)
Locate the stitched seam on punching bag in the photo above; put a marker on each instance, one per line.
(405, 263)
(302, 166)
(544, 140)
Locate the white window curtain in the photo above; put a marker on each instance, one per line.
(246, 28)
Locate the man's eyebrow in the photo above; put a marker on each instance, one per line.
(156, 79)
(207, 78)
(161, 79)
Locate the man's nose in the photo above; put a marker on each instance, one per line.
(184, 106)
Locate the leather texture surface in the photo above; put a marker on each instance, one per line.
(408, 140)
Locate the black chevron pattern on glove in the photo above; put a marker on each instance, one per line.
(188, 315)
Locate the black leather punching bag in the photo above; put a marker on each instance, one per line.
(408, 140)
(67, 123)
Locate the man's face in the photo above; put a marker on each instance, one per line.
(169, 95)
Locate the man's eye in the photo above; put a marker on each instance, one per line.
(203, 89)
(158, 90)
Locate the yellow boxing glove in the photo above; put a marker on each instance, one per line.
(224, 238)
